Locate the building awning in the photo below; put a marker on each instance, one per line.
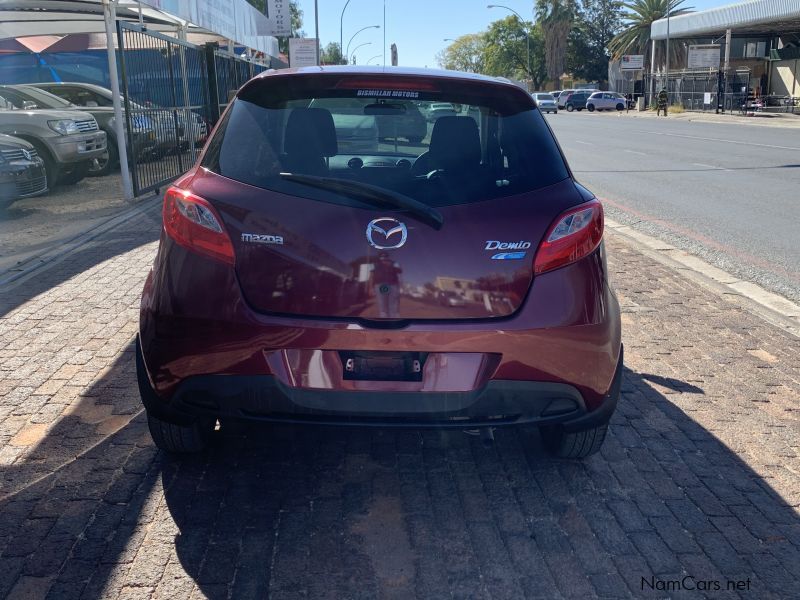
(26, 18)
(754, 17)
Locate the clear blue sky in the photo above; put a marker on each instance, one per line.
(416, 26)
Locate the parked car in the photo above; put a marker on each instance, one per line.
(276, 223)
(172, 129)
(546, 102)
(561, 99)
(450, 298)
(355, 131)
(577, 100)
(440, 109)
(410, 125)
(67, 140)
(96, 100)
(22, 171)
(605, 101)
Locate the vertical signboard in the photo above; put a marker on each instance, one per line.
(302, 52)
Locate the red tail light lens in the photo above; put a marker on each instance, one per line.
(194, 224)
(575, 234)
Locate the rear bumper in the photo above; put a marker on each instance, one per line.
(265, 398)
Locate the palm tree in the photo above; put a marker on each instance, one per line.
(635, 35)
(556, 18)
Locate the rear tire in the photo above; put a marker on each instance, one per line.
(590, 107)
(180, 439)
(579, 444)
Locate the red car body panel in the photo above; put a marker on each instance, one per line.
(201, 317)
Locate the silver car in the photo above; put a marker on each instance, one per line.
(546, 102)
(605, 101)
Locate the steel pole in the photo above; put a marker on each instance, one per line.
(316, 26)
(341, 38)
(110, 17)
(669, 6)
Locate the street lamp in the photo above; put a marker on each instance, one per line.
(527, 32)
(341, 21)
(356, 33)
(353, 61)
(374, 57)
(448, 40)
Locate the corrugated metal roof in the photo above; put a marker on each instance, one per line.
(733, 16)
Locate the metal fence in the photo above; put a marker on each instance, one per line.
(173, 93)
(706, 90)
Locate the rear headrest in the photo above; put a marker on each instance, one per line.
(455, 143)
(310, 131)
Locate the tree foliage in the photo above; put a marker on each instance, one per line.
(464, 54)
(556, 18)
(506, 47)
(634, 38)
(331, 54)
(596, 24)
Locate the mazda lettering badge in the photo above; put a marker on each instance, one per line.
(381, 230)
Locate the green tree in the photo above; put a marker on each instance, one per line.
(556, 18)
(505, 51)
(634, 38)
(596, 24)
(464, 54)
(331, 54)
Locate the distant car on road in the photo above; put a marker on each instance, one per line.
(21, 170)
(441, 109)
(605, 101)
(546, 102)
(577, 100)
(410, 125)
(561, 99)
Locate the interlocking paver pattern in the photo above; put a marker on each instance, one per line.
(698, 477)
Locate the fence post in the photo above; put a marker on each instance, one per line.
(213, 89)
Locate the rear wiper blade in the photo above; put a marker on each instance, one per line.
(372, 194)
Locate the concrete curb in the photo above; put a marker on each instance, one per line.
(771, 307)
(778, 121)
(34, 264)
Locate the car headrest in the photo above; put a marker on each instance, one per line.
(310, 131)
(455, 143)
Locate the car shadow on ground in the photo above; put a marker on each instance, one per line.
(349, 513)
(142, 228)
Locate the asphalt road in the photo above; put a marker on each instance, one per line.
(727, 193)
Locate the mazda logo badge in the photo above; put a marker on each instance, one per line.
(380, 230)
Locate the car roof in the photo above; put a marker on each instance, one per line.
(88, 86)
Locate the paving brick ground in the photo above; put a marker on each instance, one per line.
(699, 476)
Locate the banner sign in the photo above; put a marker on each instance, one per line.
(233, 19)
(703, 57)
(632, 62)
(302, 52)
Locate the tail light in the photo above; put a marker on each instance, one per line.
(194, 224)
(575, 234)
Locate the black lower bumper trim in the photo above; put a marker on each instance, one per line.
(264, 398)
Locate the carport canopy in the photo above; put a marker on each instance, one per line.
(27, 18)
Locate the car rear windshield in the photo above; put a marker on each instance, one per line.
(454, 144)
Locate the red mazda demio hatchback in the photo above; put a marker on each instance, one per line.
(334, 259)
